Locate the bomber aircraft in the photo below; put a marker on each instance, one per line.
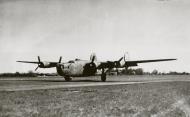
(78, 67)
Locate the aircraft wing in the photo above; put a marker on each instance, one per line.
(28, 62)
(114, 64)
(108, 64)
(33, 62)
(43, 64)
(134, 63)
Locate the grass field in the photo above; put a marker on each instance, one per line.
(137, 100)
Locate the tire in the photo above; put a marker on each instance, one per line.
(103, 77)
(67, 78)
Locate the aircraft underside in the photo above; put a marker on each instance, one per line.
(84, 72)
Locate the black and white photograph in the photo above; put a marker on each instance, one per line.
(94, 58)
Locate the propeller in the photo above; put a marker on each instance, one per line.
(126, 58)
(60, 59)
(90, 68)
(39, 59)
(36, 68)
(39, 62)
(120, 59)
(117, 63)
(93, 58)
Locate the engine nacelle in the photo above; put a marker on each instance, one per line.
(89, 69)
(45, 65)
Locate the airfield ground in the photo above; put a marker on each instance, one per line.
(131, 96)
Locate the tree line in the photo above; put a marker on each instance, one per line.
(28, 74)
(138, 71)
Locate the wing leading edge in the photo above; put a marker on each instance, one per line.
(28, 62)
(134, 63)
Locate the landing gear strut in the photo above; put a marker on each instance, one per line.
(67, 78)
(103, 76)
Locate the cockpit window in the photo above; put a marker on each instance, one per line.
(71, 61)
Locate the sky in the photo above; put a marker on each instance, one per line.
(146, 29)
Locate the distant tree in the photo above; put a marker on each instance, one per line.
(154, 72)
(159, 73)
(139, 71)
(16, 74)
(185, 73)
(128, 71)
(173, 73)
(31, 73)
(146, 73)
(163, 73)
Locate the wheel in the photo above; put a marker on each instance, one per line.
(103, 77)
(67, 78)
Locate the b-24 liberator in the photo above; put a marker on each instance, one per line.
(79, 68)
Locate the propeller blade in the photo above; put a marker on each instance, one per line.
(38, 59)
(126, 56)
(120, 59)
(60, 59)
(36, 68)
(93, 58)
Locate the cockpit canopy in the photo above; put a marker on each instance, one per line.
(77, 59)
(71, 61)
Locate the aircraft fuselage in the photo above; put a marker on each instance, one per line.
(77, 68)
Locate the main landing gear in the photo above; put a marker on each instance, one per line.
(103, 76)
(67, 78)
